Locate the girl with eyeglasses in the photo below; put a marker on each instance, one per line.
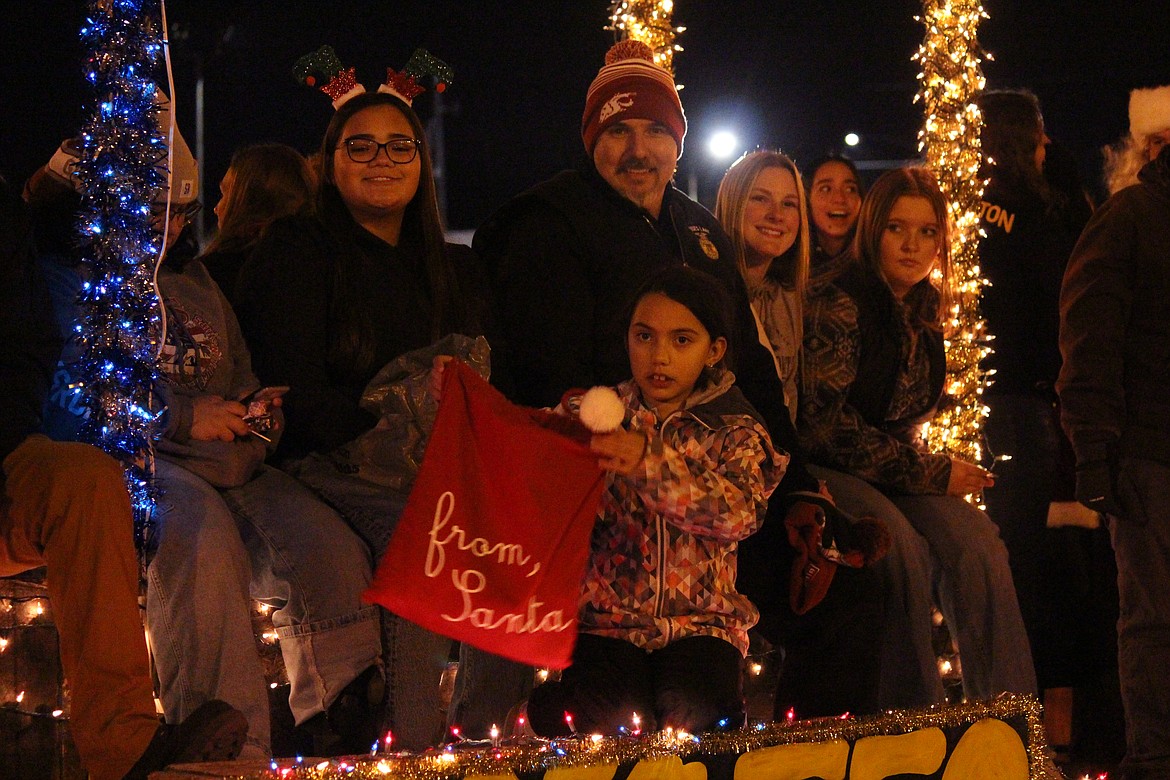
(326, 301)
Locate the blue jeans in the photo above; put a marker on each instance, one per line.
(943, 542)
(216, 551)
(976, 594)
(328, 636)
(415, 657)
(487, 687)
(1141, 543)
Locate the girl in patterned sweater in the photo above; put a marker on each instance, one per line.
(872, 372)
(663, 631)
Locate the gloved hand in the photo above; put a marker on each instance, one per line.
(1097, 487)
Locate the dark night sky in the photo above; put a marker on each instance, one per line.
(793, 75)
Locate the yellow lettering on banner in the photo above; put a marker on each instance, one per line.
(668, 768)
(917, 753)
(604, 772)
(826, 760)
(989, 750)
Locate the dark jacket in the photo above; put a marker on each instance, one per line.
(1115, 326)
(1023, 255)
(224, 266)
(567, 257)
(292, 296)
(870, 376)
(28, 338)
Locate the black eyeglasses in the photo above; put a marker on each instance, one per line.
(399, 150)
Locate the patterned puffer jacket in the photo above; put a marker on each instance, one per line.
(663, 560)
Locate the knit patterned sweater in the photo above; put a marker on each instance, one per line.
(663, 561)
(888, 452)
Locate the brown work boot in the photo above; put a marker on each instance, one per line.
(214, 732)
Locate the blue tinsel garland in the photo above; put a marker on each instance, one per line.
(119, 169)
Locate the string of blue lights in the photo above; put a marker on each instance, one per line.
(121, 152)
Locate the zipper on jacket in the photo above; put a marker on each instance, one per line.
(660, 581)
(676, 212)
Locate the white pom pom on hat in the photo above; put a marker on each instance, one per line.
(602, 411)
(1149, 111)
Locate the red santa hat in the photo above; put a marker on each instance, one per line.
(631, 86)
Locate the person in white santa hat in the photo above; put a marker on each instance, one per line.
(1114, 332)
(1149, 131)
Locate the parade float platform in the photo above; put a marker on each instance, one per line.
(998, 740)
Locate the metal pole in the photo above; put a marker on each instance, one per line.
(200, 226)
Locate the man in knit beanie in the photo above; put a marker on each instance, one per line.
(566, 257)
(633, 125)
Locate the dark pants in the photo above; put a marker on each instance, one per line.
(1064, 590)
(1024, 426)
(1141, 541)
(832, 654)
(693, 684)
(832, 658)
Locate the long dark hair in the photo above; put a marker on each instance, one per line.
(422, 230)
(810, 181)
(1012, 129)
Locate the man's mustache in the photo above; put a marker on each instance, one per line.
(634, 164)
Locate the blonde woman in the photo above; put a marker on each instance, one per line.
(761, 206)
(830, 665)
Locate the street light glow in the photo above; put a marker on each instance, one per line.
(852, 139)
(722, 145)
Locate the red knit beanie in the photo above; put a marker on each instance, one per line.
(631, 86)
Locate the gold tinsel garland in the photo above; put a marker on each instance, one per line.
(648, 21)
(529, 756)
(950, 79)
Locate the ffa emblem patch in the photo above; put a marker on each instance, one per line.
(705, 242)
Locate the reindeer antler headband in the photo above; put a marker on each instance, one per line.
(323, 69)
